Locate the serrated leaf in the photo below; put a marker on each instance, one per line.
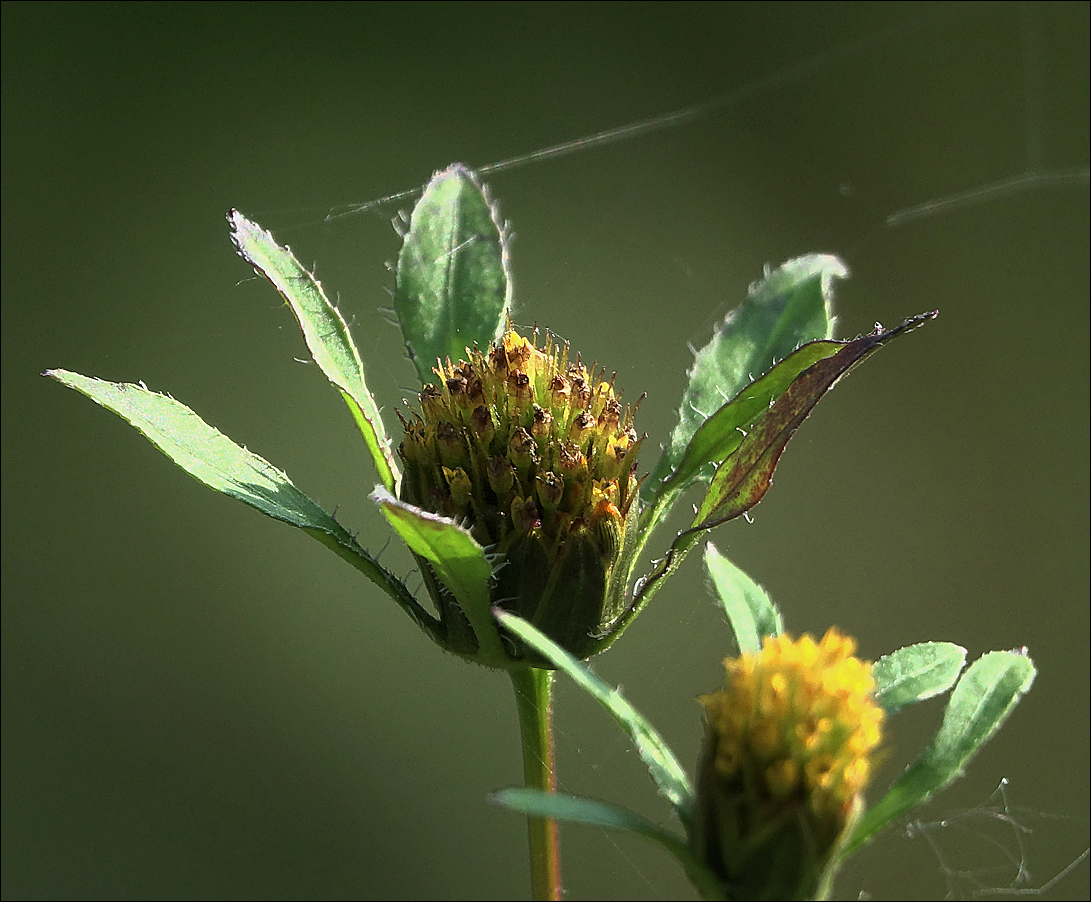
(664, 768)
(207, 454)
(745, 474)
(791, 306)
(453, 285)
(917, 672)
(987, 693)
(723, 432)
(751, 613)
(458, 560)
(325, 331)
(747, 436)
(595, 813)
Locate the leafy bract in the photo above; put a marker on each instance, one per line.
(459, 562)
(982, 700)
(792, 305)
(746, 437)
(595, 813)
(751, 613)
(207, 454)
(453, 284)
(915, 673)
(576, 810)
(664, 768)
(746, 471)
(325, 331)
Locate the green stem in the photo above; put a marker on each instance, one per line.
(534, 698)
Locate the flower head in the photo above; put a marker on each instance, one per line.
(535, 454)
(789, 746)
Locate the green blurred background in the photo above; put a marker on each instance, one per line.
(200, 702)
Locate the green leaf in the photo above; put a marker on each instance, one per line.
(453, 285)
(987, 693)
(594, 813)
(751, 613)
(916, 672)
(664, 768)
(325, 331)
(458, 560)
(535, 803)
(723, 432)
(207, 454)
(747, 436)
(791, 306)
(746, 472)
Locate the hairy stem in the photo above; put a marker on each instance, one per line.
(534, 698)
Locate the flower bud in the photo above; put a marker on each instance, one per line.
(539, 466)
(789, 745)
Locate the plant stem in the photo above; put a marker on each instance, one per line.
(534, 698)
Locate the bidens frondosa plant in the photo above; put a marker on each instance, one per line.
(789, 743)
(536, 456)
(519, 488)
(520, 491)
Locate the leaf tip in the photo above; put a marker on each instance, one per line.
(381, 495)
(236, 219)
(243, 233)
(65, 377)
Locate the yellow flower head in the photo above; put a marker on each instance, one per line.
(535, 454)
(790, 742)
